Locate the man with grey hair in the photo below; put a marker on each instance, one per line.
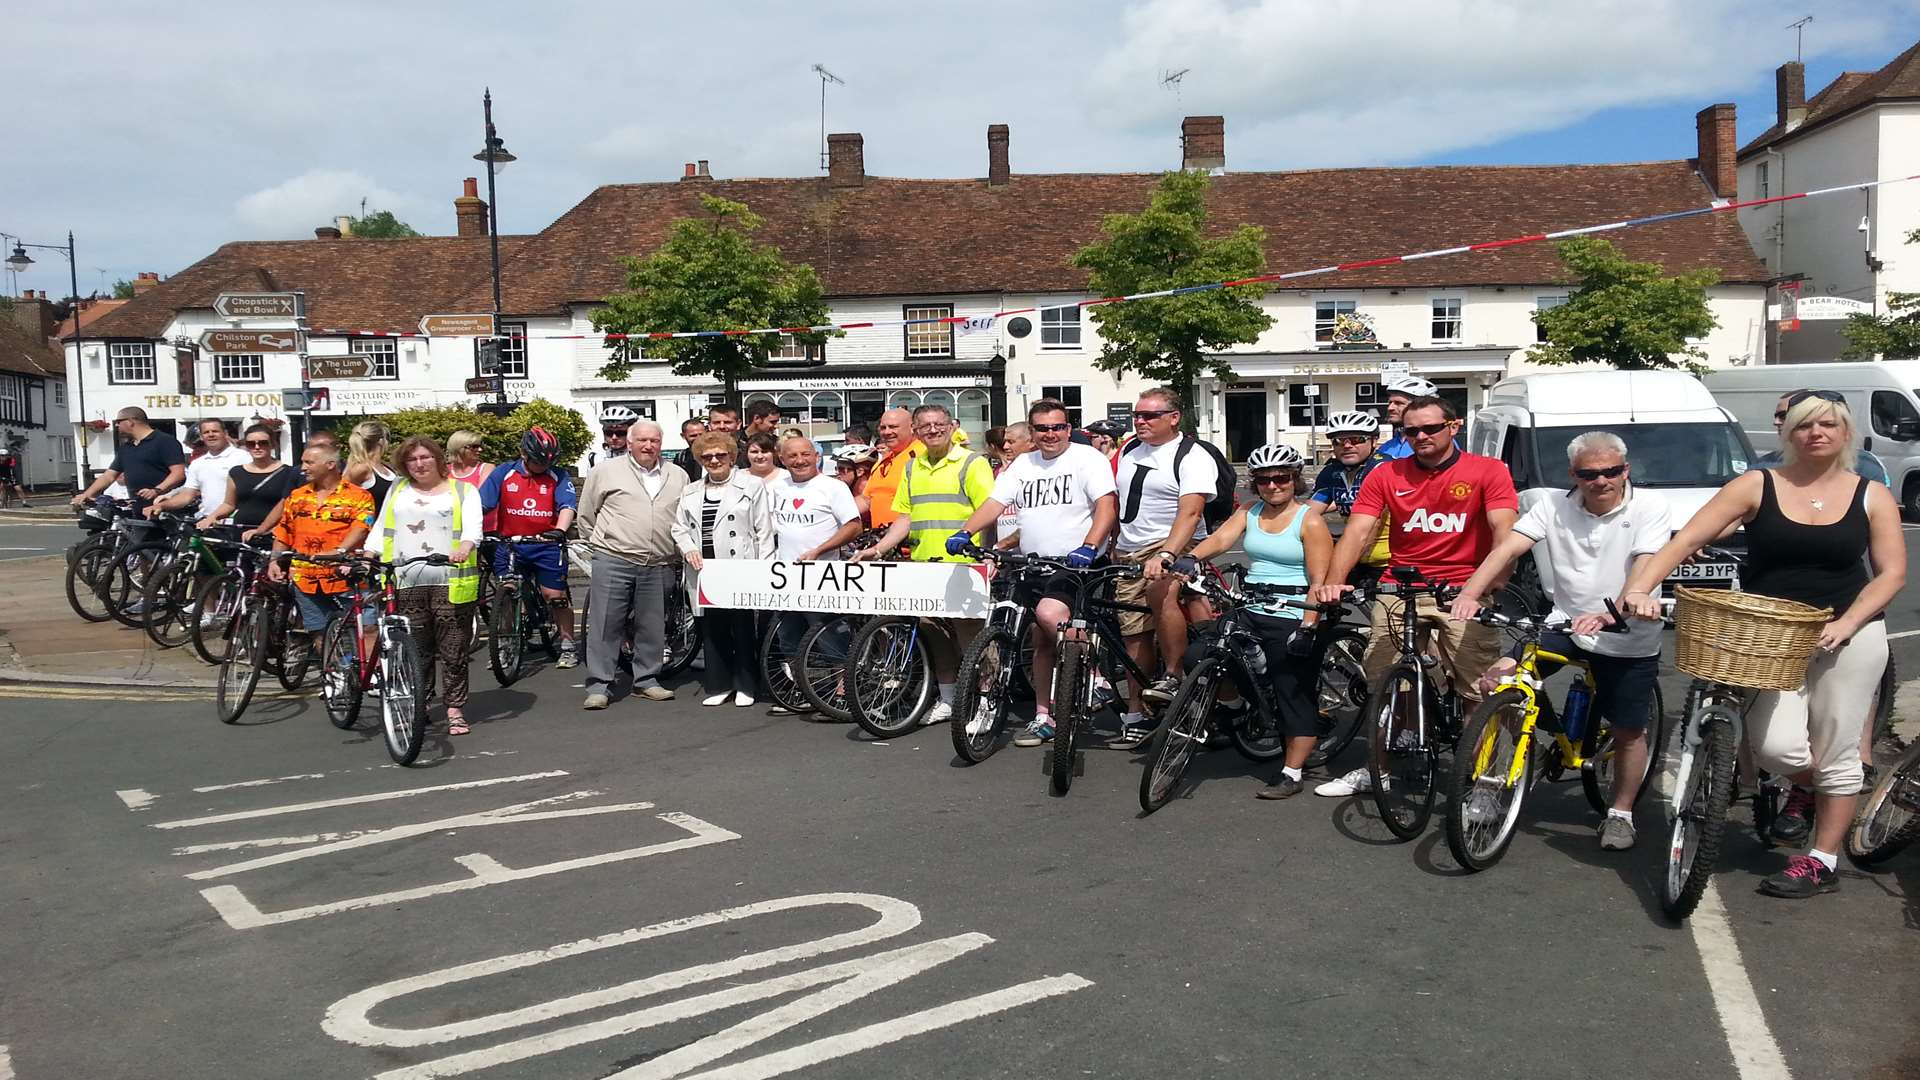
(1587, 543)
(626, 517)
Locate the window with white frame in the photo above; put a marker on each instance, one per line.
(1324, 314)
(1060, 328)
(1760, 180)
(384, 354)
(513, 351)
(1304, 409)
(791, 351)
(929, 338)
(59, 393)
(1545, 302)
(1446, 318)
(130, 362)
(1065, 395)
(13, 398)
(64, 445)
(239, 368)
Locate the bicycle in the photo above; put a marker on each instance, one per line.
(1231, 652)
(112, 527)
(257, 641)
(349, 663)
(519, 610)
(125, 583)
(217, 600)
(683, 626)
(890, 684)
(1500, 758)
(167, 611)
(993, 662)
(1413, 720)
(1090, 642)
(822, 664)
(1889, 818)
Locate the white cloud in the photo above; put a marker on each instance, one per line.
(294, 207)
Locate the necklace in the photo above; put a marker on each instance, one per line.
(1818, 504)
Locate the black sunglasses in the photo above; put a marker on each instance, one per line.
(1152, 414)
(1273, 478)
(614, 432)
(1427, 429)
(1045, 428)
(1595, 474)
(268, 444)
(1834, 396)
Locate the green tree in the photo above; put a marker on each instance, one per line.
(1629, 315)
(1167, 246)
(1893, 336)
(500, 435)
(380, 225)
(123, 290)
(711, 275)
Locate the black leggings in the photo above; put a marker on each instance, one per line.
(1292, 681)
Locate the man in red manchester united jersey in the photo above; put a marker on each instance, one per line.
(1447, 509)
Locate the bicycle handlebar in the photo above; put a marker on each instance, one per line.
(1017, 562)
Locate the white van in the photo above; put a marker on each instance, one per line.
(1678, 440)
(1881, 397)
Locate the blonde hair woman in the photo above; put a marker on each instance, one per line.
(366, 459)
(463, 458)
(1813, 526)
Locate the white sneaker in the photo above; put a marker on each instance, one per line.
(939, 714)
(715, 699)
(742, 700)
(1353, 783)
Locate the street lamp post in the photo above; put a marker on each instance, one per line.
(495, 154)
(18, 261)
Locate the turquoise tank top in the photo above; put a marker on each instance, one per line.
(1275, 558)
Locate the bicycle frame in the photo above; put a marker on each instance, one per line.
(1530, 683)
(1410, 652)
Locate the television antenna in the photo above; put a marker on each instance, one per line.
(1799, 28)
(1170, 80)
(825, 78)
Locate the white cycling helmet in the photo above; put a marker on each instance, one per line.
(1364, 423)
(1274, 456)
(1412, 386)
(618, 414)
(854, 454)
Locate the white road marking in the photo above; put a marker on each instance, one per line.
(25, 549)
(336, 772)
(1756, 1056)
(1901, 634)
(268, 841)
(350, 800)
(136, 798)
(6, 1064)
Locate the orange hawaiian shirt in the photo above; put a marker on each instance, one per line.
(311, 525)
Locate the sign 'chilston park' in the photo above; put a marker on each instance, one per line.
(934, 590)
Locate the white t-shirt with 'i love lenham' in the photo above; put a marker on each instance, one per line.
(805, 515)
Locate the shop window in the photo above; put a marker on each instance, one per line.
(1068, 396)
(1304, 410)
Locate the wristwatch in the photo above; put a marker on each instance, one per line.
(1167, 557)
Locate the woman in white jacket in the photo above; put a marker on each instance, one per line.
(724, 517)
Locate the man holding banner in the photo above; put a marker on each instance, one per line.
(940, 489)
(814, 516)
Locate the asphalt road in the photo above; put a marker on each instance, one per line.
(32, 539)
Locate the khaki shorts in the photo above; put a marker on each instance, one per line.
(1134, 590)
(1466, 648)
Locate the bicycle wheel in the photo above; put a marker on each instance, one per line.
(85, 567)
(240, 667)
(823, 667)
(340, 673)
(213, 609)
(983, 692)
(1490, 778)
(169, 604)
(1597, 766)
(288, 642)
(1889, 818)
(403, 704)
(683, 633)
(1341, 695)
(892, 677)
(126, 581)
(1070, 707)
(507, 634)
(1700, 804)
(1183, 732)
(1400, 769)
(777, 666)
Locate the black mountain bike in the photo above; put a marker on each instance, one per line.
(113, 527)
(518, 612)
(990, 669)
(1411, 717)
(1090, 642)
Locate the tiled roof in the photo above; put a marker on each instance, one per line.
(946, 237)
(1852, 91)
(21, 352)
(90, 314)
(357, 284)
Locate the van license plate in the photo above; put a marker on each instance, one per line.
(1705, 572)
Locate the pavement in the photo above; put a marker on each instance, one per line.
(668, 890)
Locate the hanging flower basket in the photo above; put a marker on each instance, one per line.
(97, 425)
(271, 423)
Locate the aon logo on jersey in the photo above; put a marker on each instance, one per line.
(1427, 521)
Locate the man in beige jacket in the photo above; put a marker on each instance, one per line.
(626, 514)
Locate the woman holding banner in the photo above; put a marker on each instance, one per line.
(725, 517)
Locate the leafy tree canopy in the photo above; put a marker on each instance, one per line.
(1893, 336)
(380, 225)
(1626, 314)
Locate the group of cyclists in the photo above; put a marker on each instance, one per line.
(1400, 520)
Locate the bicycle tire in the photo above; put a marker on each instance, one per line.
(1699, 814)
(777, 667)
(1474, 764)
(1596, 767)
(1883, 709)
(169, 604)
(1340, 694)
(1182, 733)
(1403, 779)
(892, 677)
(403, 700)
(214, 606)
(823, 668)
(240, 667)
(1070, 706)
(507, 635)
(984, 692)
(340, 687)
(89, 560)
(683, 633)
(295, 650)
(1889, 819)
(126, 580)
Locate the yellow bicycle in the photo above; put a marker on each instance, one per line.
(1500, 756)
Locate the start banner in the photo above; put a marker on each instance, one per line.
(935, 590)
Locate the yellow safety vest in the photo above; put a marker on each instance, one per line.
(939, 504)
(463, 579)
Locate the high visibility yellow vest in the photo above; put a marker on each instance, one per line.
(463, 579)
(939, 504)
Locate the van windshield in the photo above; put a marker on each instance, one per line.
(1698, 455)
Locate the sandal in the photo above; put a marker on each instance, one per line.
(457, 725)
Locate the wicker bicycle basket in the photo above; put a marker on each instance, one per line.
(1745, 640)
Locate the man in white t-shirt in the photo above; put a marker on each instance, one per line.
(1587, 543)
(1164, 482)
(814, 516)
(205, 486)
(1063, 504)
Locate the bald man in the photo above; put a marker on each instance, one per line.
(897, 447)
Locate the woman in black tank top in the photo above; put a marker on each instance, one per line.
(254, 489)
(1822, 536)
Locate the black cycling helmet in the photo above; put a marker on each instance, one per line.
(1104, 427)
(538, 446)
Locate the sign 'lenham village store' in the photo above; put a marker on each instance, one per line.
(889, 250)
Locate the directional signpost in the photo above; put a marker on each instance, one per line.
(485, 384)
(457, 325)
(269, 305)
(249, 341)
(264, 305)
(355, 366)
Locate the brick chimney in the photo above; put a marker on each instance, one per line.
(1790, 94)
(998, 172)
(470, 210)
(1203, 142)
(325, 232)
(344, 223)
(1713, 126)
(145, 281)
(846, 160)
(701, 170)
(32, 313)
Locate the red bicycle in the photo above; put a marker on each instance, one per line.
(352, 663)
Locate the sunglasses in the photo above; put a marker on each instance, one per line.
(260, 444)
(1428, 430)
(718, 455)
(1047, 428)
(1824, 395)
(1352, 440)
(615, 432)
(1596, 474)
(1152, 414)
(1273, 478)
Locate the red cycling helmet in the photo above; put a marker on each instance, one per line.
(538, 446)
